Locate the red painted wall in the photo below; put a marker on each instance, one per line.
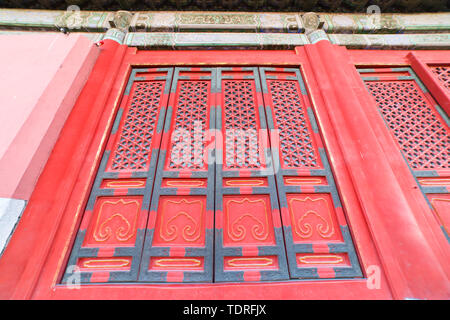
(42, 76)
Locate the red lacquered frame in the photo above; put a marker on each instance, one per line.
(376, 186)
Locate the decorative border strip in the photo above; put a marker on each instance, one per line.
(173, 40)
(392, 41)
(387, 23)
(205, 40)
(244, 5)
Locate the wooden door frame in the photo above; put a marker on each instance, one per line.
(34, 261)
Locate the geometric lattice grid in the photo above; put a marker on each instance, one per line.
(240, 129)
(419, 126)
(189, 129)
(132, 150)
(296, 144)
(443, 74)
(422, 137)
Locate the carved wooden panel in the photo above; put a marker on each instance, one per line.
(249, 240)
(109, 241)
(318, 241)
(419, 126)
(179, 236)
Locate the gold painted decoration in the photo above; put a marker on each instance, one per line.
(434, 181)
(178, 262)
(117, 225)
(106, 263)
(244, 183)
(191, 232)
(250, 262)
(303, 226)
(303, 181)
(237, 230)
(125, 184)
(185, 183)
(319, 259)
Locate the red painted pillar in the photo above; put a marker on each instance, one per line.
(20, 272)
(413, 268)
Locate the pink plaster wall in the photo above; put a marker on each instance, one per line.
(41, 77)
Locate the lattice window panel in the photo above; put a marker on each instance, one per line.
(421, 129)
(240, 128)
(132, 150)
(443, 74)
(249, 243)
(189, 129)
(295, 138)
(423, 138)
(178, 244)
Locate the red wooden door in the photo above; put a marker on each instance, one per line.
(249, 238)
(318, 240)
(258, 168)
(190, 158)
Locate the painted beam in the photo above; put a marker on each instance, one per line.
(247, 30)
(170, 21)
(392, 41)
(207, 39)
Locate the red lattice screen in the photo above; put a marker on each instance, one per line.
(420, 128)
(131, 151)
(415, 123)
(249, 239)
(179, 238)
(317, 237)
(443, 74)
(190, 185)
